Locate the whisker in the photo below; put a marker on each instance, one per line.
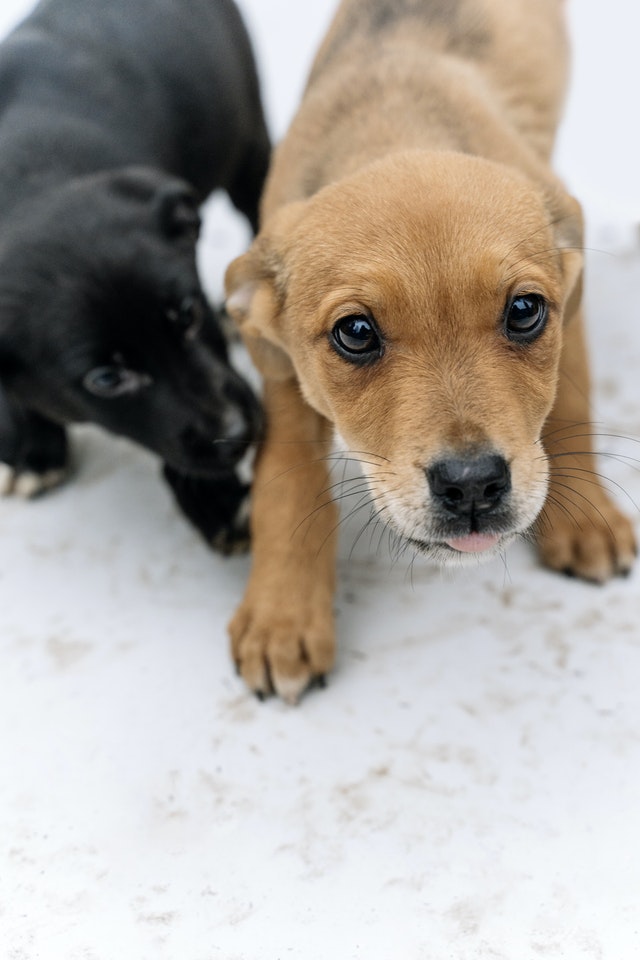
(362, 491)
(325, 458)
(545, 226)
(599, 453)
(353, 487)
(373, 524)
(373, 518)
(342, 521)
(565, 425)
(584, 497)
(507, 574)
(544, 256)
(633, 463)
(543, 518)
(596, 479)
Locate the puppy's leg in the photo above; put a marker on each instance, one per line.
(580, 531)
(245, 189)
(218, 507)
(33, 451)
(283, 634)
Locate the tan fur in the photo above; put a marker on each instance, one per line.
(414, 187)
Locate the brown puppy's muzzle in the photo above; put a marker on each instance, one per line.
(470, 501)
(461, 502)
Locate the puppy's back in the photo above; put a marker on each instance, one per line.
(173, 81)
(466, 75)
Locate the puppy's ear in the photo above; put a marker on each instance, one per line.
(178, 211)
(568, 229)
(256, 288)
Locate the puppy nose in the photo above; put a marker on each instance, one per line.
(470, 485)
(237, 434)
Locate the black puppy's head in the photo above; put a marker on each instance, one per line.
(103, 319)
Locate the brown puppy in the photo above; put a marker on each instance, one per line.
(416, 287)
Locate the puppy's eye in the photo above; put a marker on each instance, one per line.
(525, 317)
(187, 317)
(114, 381)
(356, 339)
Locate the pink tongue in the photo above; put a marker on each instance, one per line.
(474, 543)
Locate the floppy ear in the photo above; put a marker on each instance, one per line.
(568, 229)
(256, 288)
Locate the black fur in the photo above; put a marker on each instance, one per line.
(117, 119)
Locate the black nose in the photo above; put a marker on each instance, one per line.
(239, 431)
(473, 485)
(211, 445)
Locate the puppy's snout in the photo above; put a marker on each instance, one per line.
(467, 486)
(213, 444)
(237, 434)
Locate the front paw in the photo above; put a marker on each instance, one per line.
(583, 534)
(33, 452)
(28, 483)
(217, 507)
(282, 648)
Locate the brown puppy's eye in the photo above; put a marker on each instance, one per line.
(356, 339)
(526, 317)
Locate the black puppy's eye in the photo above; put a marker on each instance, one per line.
(525, 317)
(356, 339)
(114, 381)
(187, 318)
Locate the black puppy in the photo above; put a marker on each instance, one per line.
(116, 120)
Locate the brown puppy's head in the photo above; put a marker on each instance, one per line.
(420, 305)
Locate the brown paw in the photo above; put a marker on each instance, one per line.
(590, 538)
(281, 652)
